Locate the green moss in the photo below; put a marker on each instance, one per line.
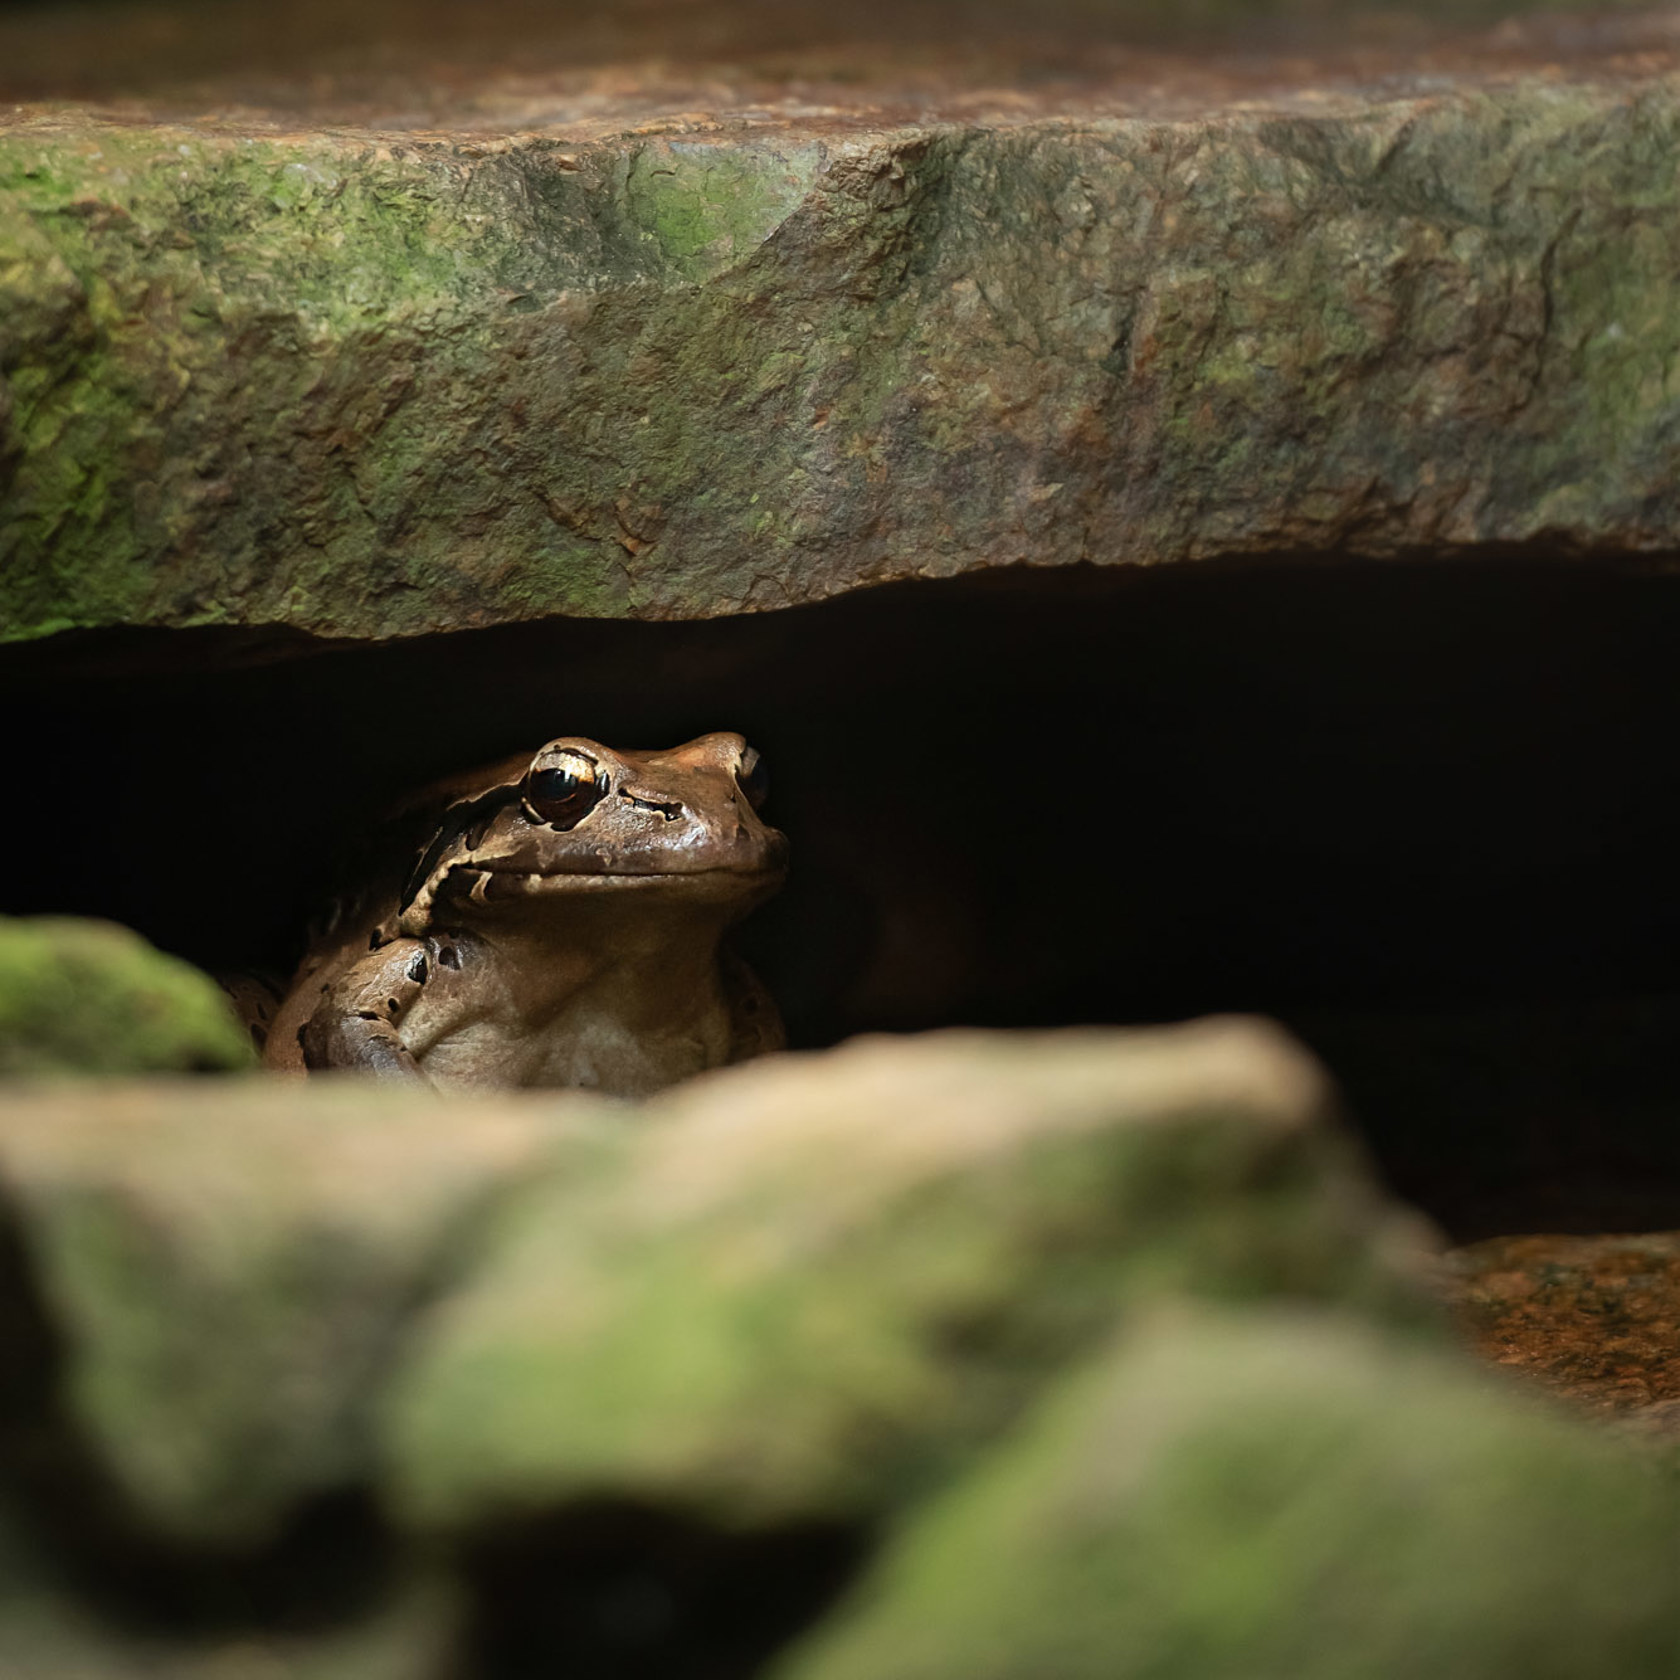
(1275, 1496)
(231, 1264)
(88, 997)
(336, 235)
(706, 206)
(356, 285)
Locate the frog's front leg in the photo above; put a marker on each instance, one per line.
(355, 1025)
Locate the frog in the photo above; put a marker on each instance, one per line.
(557, 919)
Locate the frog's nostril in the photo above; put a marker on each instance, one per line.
(668, 811)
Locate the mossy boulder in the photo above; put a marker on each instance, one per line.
(805, 1288)
(1096, 1351)
(90, 997)
(819, 1283)
(230, 1267)
(1277, 1494)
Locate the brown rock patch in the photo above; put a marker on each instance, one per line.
(1594, 1319)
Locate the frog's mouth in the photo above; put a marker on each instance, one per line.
(733, 888)
(489, 885)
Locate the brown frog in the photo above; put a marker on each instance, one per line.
(561, 926)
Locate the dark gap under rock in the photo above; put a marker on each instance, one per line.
(1378, 801)
(613, 1591)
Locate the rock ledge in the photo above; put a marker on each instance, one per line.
(579, 348)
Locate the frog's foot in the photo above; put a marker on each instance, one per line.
(357, 1022)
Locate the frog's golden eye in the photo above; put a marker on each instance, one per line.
(753, 779)
(563, 794)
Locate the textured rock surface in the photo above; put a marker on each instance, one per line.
(1594, 1319)
(603, 348)
(1275, 1496)
(91, 997)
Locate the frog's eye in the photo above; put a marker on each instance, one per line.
(753, 779)
(563, 794)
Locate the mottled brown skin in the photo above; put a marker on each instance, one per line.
(561, 925)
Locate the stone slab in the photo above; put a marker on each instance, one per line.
(669, 342)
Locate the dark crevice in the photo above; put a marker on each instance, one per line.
(618, 1591)
(1386, 802)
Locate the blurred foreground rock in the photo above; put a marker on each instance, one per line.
(826, 1280)
(1275, 1495)
(230, 1267)
(970, 1355)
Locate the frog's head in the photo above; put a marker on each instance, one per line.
(579, 818)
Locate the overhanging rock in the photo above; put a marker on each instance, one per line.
(574, 358)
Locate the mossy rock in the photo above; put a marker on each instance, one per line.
(660, 366)
(817, 1285)
(231, 1266)
(1104, 1337)
(90, 997)
(811, 1287)
(1278, 1495)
